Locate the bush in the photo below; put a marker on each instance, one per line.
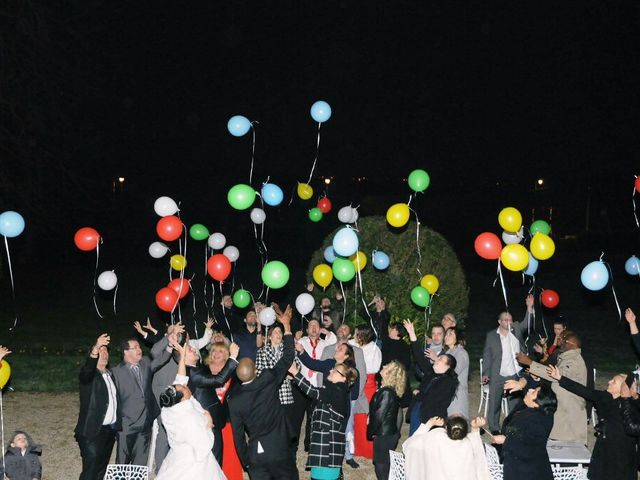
(395, 283)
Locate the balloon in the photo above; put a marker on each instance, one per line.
(488, 246)
(165, 206)
(595, 276)
(354, 215)
(637, 184)
(420, 296)
(231, 252)
(345, 242)
(86, 239)
(241, 298)
(166, 299)
(324, 204)
(5, 373)
(180, 286)
(315, 214)
(305, 191)
(418, 180)
(11, 224)
(305, 303)
(532, 267)
(267, 316)
(169, 228)
(632, 265)
(540, 226)
(275, 274)
(238, 125)
(107, 280)
(158, 249)
(216, 241)
(514, 257)
(322, 275)
(510, 219)
(199, 232)
(258, 216)
(511, 238)
(241, 196)
(359, 260)
(398, 215)
(320, 111)
(272, 194)
(431, 283)
(345, 214)
(178, 262)
(329, 254)
(550, 298)
(380, 260)
(542, 247)
(219, 267)
(343, 269)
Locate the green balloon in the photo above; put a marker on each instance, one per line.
(242, 298)
(419, 180)
(241, 196)
(315, 214)
(343, 269)
(540, 226)
(420, 296)
(275, 274)
(199, 232)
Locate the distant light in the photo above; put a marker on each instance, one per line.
(121, 179)
(540, 181)
(327, 181)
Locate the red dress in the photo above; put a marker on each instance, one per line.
(231, 465)
(363, 447)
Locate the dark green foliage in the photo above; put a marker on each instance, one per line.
(394, 284)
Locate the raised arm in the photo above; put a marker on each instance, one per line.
(288, 351)
(203, 341)
(304, 385)
(416, 347)
(322, 366)
(163, 357)
(88, 370)
(574, 387)
(202, 378)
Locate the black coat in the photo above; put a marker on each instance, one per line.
(22, 467)
(525, 448)
(94, 399)
(203, 384)
(383, 413)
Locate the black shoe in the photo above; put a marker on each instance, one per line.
(352, 463)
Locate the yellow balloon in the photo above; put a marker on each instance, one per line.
(322, 274)
(510, 219)
(542, 247)
(515, 257)
(5, 373)
(431, 283)
(178, 262)
(360, 260)
(305, 191)
(398, 215)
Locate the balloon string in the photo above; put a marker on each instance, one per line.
(2, 427)
(115, 295)
(344, 303)
(253, 149)
(13, 296)
(633, 201)
(225, 313)
(417, 240)
(504, 291)
(95, 276)
(195, 320)
(613, 290)
(317, 153)
(177, 304)
(204, 290)
(366, 309)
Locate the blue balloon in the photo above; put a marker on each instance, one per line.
(329, 254)
(632, 265)
(238, 125)
(320, 111)
(532, 268)
(345, 242)
(272, 194)
(380, 260)
(595, 276)
(11, 224)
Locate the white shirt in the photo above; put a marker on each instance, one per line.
(510, 346)
(315, 353)
(112, 406)
(372, 356)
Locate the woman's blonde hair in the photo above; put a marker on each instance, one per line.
(396, 378)
(217, 347)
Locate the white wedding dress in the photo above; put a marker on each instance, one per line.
(191, 440)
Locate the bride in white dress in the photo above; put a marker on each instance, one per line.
(189, 433)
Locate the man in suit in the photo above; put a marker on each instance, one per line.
(254, 408)
(98, 406)
(137, 405)
(499, 359)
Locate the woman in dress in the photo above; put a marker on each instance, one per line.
(454, 345)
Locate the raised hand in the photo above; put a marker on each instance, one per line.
(498, 439)
(515, 385)
(435, 422)
(431, 354)
(138, 328)
(523, 359)
(285, 318)
(553, 372)
(294, 369)
(209, 323)
(178, 328)
(103, 340)
(234, 350)
(410, 330)
(149, 327)
(478, 423)
(629, 316)
(529, 302)
(299, 347)
(4, 351)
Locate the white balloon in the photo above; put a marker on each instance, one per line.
(510, 238)
(258, 216)
(107, 280)
(158, 249)
(216, 241)
(267, 316)
(305, 303)
(354, 215)
(231, 252)
(345, 214)
(165, 206)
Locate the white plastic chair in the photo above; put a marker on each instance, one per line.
(126, 472)
(397, 466)
(484, 398)
(493, 461)
(569, 473)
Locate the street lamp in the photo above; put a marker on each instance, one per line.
(541, 181)
(327, 181)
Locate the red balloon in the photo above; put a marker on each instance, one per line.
(324, 204)
(219, 267)
(550, 298)
(488, 246)
(638, 184)
(169, 228)
(166, 299)
(86, 239)
(180, 286)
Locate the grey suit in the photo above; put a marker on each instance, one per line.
(491, 364)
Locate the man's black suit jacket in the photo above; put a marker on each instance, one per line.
(94, 399)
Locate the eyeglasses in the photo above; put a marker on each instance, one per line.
(339, 373)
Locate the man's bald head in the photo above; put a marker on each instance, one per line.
(246, 370)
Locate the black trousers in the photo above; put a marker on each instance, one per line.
(301, 405)
(381, 459)
(217, 444)
(95, 453)
(133, 447)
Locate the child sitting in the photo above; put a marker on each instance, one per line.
(22, 459)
